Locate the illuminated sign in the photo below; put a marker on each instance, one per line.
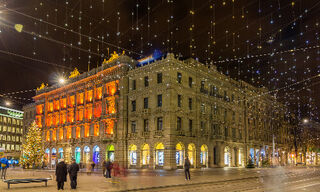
(4, 111)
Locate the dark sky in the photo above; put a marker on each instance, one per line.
(209, 30)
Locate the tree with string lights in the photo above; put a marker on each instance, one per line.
(32, 148)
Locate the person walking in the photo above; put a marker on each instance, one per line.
(61, 174)
(73, 173)
(4, 166)
(88, 168)
(187, 165)
(104, 164)
(109, 167)
(92, 166)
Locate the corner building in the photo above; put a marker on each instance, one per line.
(155, 115)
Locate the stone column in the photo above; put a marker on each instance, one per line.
(236, 157)
(170, 157)
(220, 154)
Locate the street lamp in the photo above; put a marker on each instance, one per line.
(62, 80)
(305, 121)
(8, 103)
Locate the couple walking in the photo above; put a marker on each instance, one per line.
(62, 171)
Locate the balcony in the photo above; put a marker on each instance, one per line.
(204, 91)
(132, 135)
(180, 133)
(158, 133)
(145, 134)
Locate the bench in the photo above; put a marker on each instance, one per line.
(17, 181)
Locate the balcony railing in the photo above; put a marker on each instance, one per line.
(145, 134)
(158, 133)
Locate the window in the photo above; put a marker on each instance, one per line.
(179, 123)
(225, 115)
(190, 103)
(159, 123)
(232, 98)
(133, 105)
(190, 82)
(133, 126)
(233, 116)
(179, 77)
(134, 85)
(202, 108)
(146, 81)
(179, 100)
(202, 124)
(202, 85)
(226, 131)
(190, 125)
(159, 100)
(159, 77)
(145, 125)
(145, 103)
(215, 110)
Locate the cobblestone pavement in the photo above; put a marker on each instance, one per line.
(218, 179)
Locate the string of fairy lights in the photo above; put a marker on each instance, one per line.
(255, 49)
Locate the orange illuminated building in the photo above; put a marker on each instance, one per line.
(80, 112)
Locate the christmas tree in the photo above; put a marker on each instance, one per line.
(32, 148)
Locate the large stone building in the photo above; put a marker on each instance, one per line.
(11, 130)
(29, 115)
(154, 115)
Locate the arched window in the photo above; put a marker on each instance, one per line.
(133, 155)
(159, 154)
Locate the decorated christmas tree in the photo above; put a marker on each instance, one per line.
(32, 148)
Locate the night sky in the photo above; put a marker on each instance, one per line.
(278, 38)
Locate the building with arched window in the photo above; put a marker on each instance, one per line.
(158, 114)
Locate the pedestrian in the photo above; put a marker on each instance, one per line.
(61, 174)
(109, 167)
(187, 165)
(4, 166)
(92, 166)
(88, 167)
(73, 172)
(104, 164)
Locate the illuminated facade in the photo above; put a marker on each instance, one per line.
(155, 115)
(11, 130)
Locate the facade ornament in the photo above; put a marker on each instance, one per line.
(42, 86)
(113, 57)
(74, 73)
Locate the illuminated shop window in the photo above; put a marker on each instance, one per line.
(179, 154)
(145, 154)
(133, 154)
(159, 154)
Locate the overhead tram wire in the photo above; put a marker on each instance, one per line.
(69, 30)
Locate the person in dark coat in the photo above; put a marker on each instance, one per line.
(104, 164)
(109, 167)
(73, 172)
(187, 165)
(61, 174)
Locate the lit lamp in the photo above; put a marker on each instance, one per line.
(62, 80)
(8, 103)
(305, 121)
